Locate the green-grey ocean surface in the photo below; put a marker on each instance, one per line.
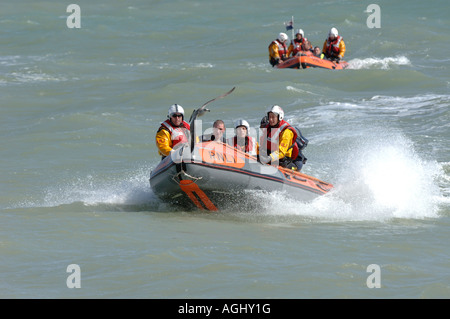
(80, 108)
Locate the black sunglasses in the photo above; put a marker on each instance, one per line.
(177, 115)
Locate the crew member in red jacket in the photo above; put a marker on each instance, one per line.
(242, 141)
(278, 49)
(277, 139)
(172, 131)
(334, 46)
(298, 43)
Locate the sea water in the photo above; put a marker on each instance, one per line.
(80, 107)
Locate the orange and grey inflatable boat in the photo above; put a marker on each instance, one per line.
(212, 175)
(217, 174)
(304, 61)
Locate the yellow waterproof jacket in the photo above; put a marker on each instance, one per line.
(163, 142)
(339, 54)
(274, 51)
(290, 50)
(164, 139)
(284, 149)
(278, 141)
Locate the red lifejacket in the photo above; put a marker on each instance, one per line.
(250, 145)
(178, 134)
(333, 46)
(298, 45)
(271, 139)
(282, 49)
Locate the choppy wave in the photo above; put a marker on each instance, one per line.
(378, 63)
(28, 69)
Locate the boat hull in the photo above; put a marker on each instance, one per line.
(217, 175)
(310, 61)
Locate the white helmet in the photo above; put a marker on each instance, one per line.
(283, 37)
(176, 108)
(301, 32)
(333, 32)
(277, 110)
(242, 123)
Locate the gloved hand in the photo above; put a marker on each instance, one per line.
(338, 59)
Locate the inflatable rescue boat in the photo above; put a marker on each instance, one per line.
(307, 60)
(211, 175)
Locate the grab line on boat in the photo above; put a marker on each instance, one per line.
(183, 172)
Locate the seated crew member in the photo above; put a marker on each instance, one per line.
(278, 49)
(299, 144)
(307, 47)
(217, 134)
(172, 131)
(334, 46)
(296, 44)
(277, 138)
(242, 141)
(318, 53)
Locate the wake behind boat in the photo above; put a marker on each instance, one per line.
(211, 175)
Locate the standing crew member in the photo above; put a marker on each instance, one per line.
(334, 46)
(278, 49)
(172, 131)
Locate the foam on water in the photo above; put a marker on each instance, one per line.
(28, 69)
(374, 183)
(390, 182)
(378, 63)
(127, 189)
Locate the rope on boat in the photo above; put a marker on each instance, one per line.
(195, 179)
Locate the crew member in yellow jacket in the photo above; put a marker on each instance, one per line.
(277, 140)
(334, 46)
(278, 49)
(172, 131)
